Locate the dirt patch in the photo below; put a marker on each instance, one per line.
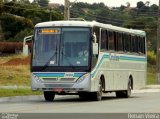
(18, 61)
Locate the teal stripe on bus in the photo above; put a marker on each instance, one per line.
(53, 75)
(104, 57)
(50, 75)
(132, 58)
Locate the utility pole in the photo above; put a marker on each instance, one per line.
(158, 47)
(66, 10)
(1, 11)
(50, 14)
(1, 6)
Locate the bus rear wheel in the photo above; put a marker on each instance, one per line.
(126, 93)
(49, 95)
(129, 89)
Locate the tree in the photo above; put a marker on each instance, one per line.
(154, 8)
(1, 6)
(148, 24)
(42, 3)
(11, 25)
(23, 33)
(122, 7)
(24, 1)
(128, 4)
(147, 3)
(140, 4)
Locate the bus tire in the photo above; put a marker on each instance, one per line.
(83, 94)
(119, 94)
(126, 93)
(49, 95)
(97, 96)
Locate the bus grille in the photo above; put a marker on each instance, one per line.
(67, 79)
(50, 79)
(58, 85)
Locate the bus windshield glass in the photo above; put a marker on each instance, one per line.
(61, 47)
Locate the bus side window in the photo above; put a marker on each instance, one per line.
(127, 42)
(139, 45)
(132, 44)
(120, 45)
(136, 44)
(115, 41)
(111, 40)
(104, 40)
(123, 42)
(144, 45)
(107, 45)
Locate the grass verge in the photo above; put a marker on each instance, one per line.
(17, 92)
(151, 75)
(15, 75)
(4, 59)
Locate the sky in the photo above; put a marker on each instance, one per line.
(110, 3)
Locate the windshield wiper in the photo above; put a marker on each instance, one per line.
(55, 54)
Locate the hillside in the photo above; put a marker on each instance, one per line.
(24, 15)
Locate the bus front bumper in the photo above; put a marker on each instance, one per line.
(78, 86)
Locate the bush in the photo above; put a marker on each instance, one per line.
(13, 47)
(10, 47)
(151, 57)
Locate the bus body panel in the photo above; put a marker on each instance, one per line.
(118, 68)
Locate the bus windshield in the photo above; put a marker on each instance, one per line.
(61, 47)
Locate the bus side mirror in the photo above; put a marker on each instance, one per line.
(94, 38)
(95, 45)
(25, 46)
(95, 48)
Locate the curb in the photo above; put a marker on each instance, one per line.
(146, 91)
(21, 99)
(152, 87)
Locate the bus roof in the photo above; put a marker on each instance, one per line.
(90, 24)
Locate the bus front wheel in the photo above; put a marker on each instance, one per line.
(97, 96)
(49, 95)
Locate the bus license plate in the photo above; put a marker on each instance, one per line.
(58, 89)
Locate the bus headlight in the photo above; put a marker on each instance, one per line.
(36, 78)
(83, 77)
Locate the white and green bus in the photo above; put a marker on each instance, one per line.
(88, 59)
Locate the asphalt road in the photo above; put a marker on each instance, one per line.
(139, 102)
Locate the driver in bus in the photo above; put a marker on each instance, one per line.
(83, 52)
